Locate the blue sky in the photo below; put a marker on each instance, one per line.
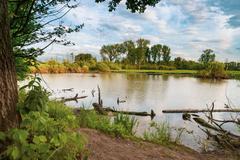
(188, 27)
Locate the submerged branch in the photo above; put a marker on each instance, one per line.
(199, 110)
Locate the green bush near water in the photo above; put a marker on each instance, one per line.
(214, 70)
(48, 131)
(102, 67)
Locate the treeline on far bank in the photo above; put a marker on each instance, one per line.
(139, 55)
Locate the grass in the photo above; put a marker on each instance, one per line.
(124, 126)
(159, 133)
(234, 74)
(121, 126)
(231, 74)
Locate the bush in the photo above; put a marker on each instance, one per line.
(163, 67)
(149, 66)
(158, 133)
(85, 69)
(114, 66)
(214, 70)
(71, 67)
(47, 130)
(127, 66)
(43, 137)
(102, 67)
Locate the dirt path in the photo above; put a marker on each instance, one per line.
(105, 147)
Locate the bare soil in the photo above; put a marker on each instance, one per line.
(105, 147)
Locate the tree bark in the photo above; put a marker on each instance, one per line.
(8, 82)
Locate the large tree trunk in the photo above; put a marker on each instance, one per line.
(8, 82)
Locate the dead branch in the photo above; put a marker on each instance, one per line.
(102, 110)
(75, 98)
(199, 110)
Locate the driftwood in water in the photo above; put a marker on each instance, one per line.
(102, 110)
(75, 98)
(214, 128)
(99, 96)
(67, 89)
(199, 110)
(120, 101)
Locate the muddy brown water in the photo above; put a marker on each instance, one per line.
(144, 92)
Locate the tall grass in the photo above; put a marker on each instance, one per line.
(129, 123)
(158, 133)
(120, 126)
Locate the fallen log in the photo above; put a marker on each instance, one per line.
(102, 110)
(199, 110)
(67, 89)
(75, 98)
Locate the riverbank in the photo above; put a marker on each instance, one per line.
(193, 73)
(231, 74)
(180, 72)
(102, 146)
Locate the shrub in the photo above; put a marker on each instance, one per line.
(85, 69)
(127, 66)
(113, 66)
(149, 66)
(43, 133)
(102, 67)
(71, 67)
(163, 67)
(214, 70)
(43, 137)
(158, 133)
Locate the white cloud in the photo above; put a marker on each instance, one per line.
(188, 27)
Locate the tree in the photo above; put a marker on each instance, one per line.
(129, 50)
(86, 57)
(111, 52)
(33, 22)
(178, 61)
(156, 53)
(8, 80)
(132, 5)
(166, 54)
(207, 57)
(141, 50)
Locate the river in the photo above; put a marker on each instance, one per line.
(144, 92)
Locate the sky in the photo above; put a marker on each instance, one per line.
(187, 27)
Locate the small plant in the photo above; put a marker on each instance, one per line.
(158, 133)
(37, 97)
(127, 122)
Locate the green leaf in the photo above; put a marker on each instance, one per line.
(55, 141)
(15, 153)
(20, 135)
(39, 139)
(23, 87)
(2, 136)
(63, 138)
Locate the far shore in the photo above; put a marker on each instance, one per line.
(193, 73)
